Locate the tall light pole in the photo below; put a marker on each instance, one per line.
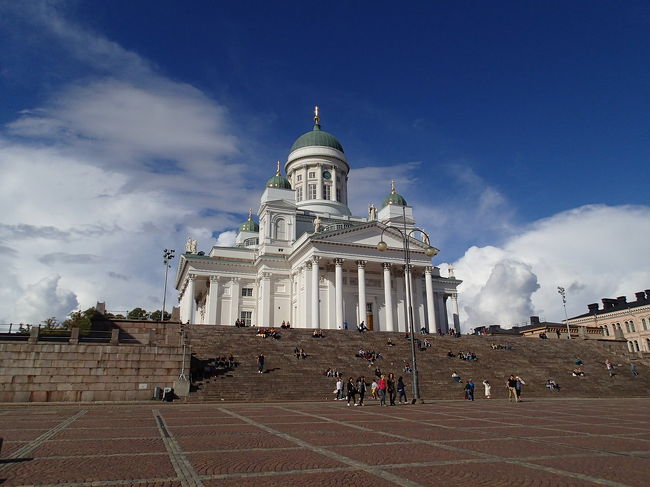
(429, 252)
(562, 292)
(168, 255)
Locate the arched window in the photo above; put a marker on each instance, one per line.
(647, 343)
(644, 324)
(632, 327)
(636, 345)
(605, 330)
(618, 325)
(630, 346)
(627, 327)
(280, 230)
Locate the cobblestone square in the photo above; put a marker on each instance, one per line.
(537, 442)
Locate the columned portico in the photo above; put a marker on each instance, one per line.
(213, 301)
(431, 315)
(315, 294)
(388, 297)
(338, 284)
(361, 273)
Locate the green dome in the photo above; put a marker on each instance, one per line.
(249, 225)
(317, 137)
(278, 182)
(394, 198)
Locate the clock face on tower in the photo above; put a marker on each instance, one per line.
(327, 175)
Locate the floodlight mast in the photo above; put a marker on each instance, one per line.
(168, 255)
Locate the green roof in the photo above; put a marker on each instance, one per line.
(394, 198)
(317, 137)
(249, 225)
(278, 182)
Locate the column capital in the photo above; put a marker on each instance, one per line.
(308, 265)
(339, 262)
(361, 264)
(214, 279)
(192, 277)
(315, 259)
(428, 270)
(387, 265)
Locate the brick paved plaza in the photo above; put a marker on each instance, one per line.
(484, 443)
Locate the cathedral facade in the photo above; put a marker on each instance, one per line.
(311, 263)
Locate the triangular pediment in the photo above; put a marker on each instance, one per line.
(369, 234)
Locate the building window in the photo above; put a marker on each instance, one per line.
(280, 230)
(644, 324)
(299, 193)
(338, 195)
(246, 317)
(605, 331)
(632, 327)
(627, 327)
(311, 191)
(327, 192)
(636, 346)
(251, 241)
(630, 347)
(312, 175)
(247, 291)
(298, 177)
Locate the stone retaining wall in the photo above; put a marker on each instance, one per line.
(88, 372)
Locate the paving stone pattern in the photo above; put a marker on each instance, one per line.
(538, 442)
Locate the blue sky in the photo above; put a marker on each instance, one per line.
(499, 122)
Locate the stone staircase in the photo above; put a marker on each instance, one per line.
(289, 378)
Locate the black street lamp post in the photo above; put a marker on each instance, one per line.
(429, 252)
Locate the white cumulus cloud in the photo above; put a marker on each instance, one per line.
(593, 251)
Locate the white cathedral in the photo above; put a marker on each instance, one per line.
(312, 264)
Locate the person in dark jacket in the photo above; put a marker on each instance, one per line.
(390, 388)
(352, 392)
(401, 391)
(361, 389)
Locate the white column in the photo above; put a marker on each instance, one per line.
(319, 188)
(213, 301)
(454, 300)
(408, 302)
(440, 311)
(234, 300)
(334, 184)
(388, 297)
(265, 301)
(446, 311)
(307, 302)
(431, 315)
(361, 272)
(315, 293)
(190, 292)
(338, 284)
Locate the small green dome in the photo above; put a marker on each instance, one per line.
(394, 198)
(249, 225)
(278, 182)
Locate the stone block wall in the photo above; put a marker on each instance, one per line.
(87, 372)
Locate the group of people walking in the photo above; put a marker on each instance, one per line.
(386, 389)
